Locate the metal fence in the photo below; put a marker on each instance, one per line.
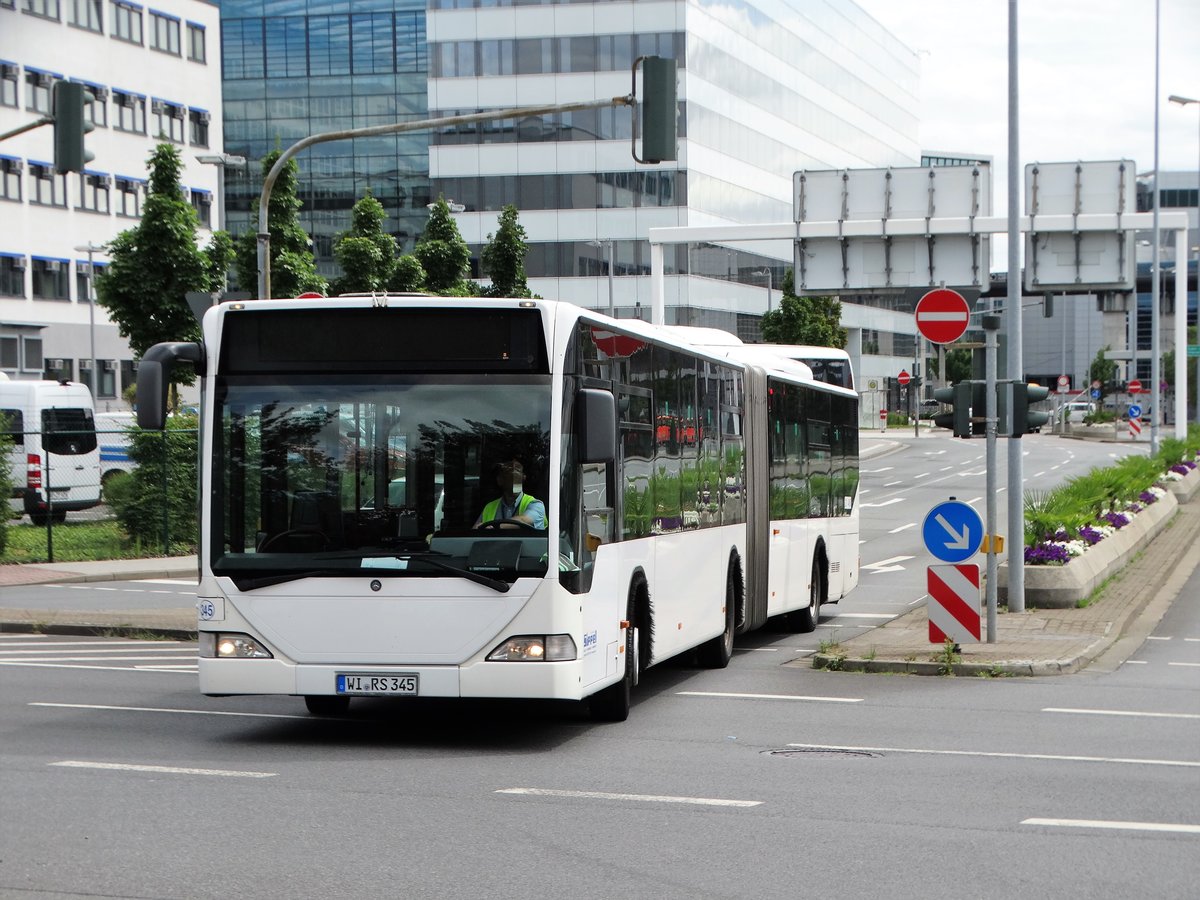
(123, 489)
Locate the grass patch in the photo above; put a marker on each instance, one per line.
(78, 542)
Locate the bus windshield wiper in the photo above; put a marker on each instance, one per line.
(426, 556)
(251, 584)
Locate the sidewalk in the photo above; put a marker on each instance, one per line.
(1041, 641)
(81, 612)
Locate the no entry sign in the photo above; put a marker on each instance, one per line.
(904, 378)
(942, 316)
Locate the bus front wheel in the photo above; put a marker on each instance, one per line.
(612, 703)
(327, 705)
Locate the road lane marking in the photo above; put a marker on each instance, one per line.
(1120, 712)
(735, 696)
(124, 645)
(91, 659)
(922, 475)
(877, 471)
(186, 712)
(163, 770)
(640, 798)
(893, 483)
(1156, 637)
(1188, 665)
(45, 665)
(865, 616)
(1119, 826)
(903, 528)
(1053, 757)
(884, 503)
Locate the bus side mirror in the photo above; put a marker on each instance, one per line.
(154, 375)
(596, 419)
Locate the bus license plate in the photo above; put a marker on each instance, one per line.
(370, 684)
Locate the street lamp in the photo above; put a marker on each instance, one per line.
(1184, 101)
(766, 271)
(89, 248)
(222, 161)
(612, 310)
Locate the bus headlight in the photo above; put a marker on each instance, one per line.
(217, 645)
(535, 648)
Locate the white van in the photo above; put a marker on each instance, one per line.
(112, 431)
(54, 458)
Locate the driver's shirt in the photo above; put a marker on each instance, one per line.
(534, 509)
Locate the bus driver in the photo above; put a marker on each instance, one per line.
(513, 507)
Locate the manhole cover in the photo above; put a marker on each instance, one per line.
(822, 751)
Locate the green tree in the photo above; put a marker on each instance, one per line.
(293, 268)
(366, 253)
(407, 275)
(1103, 370)
(958, 365)
(804, 320)
(504, 257)
(153, 265)
(443, 253)
(165, 459)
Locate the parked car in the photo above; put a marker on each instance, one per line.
(1075, 411)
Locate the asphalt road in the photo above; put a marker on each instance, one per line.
(118, 780)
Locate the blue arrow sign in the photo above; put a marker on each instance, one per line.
(1095, 393)
(1135, 412)
(952, 531)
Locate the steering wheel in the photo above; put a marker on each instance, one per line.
(496, 524)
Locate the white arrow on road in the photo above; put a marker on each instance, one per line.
(886, 565)
(961, 541)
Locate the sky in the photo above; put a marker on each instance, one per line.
(1086, 79)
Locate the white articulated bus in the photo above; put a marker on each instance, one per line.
(353, 450)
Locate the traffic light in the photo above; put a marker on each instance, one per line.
(70, 125)
(959, 399)
(979, 408)
(1023, 420)
(660, 128)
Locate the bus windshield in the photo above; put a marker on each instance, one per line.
(349, 475)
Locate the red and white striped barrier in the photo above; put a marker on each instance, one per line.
(954, 604)
(1135, 427)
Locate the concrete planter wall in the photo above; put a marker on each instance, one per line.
(1061, 587)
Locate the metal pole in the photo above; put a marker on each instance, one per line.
(1155, 363)
(92, 319)
(612, 310)
(1185, 101)
(1016, 364)
(991, 324)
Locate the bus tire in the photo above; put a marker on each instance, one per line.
(806, 619)
(716, 652)
(611, 704)
(327, 704)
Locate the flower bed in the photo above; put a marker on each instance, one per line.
(1063, 566)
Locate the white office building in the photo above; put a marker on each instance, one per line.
(153, 71)
(766, 88)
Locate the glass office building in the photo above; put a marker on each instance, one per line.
(766, 87)
(293, 68)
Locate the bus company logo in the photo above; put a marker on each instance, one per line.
(589, 643)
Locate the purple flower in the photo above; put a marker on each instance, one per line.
(1147, 497)
(1091, 535)
(1046, 555)
(1061, 536)
(1181, 469)
(1116, 520)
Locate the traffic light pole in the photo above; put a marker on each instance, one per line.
(991, 324)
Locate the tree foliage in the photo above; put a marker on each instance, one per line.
(162, 489)
(504, 257)
(958, 365)
(153, 265)
(443, 253)
(293, 268)
(1103, 370)
(804, 320)
(369, 256)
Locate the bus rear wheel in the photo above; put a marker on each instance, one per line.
(716, 652)
(327, 705)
